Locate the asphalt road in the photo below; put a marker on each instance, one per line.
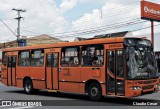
(66, 100)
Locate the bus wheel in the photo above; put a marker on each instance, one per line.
(95, 91)
(28, 86)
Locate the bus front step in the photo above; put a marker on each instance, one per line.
(53, 90)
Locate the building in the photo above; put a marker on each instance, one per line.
(79, 39)
(117, 34)
(41, 39)
(36, 40)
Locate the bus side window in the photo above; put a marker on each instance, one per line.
(37, 58)
(55, 57)
(111, 59)
(92, 55)
(13, 61)
(4, 59)
(70, 56)
(9, 62)
(52, 60)
(49, 60)
(23, 58)
(120, 72)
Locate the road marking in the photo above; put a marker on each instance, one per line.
(21, 107)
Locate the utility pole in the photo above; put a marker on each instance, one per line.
(19, 19)
(152, 33)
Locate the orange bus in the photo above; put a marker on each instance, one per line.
(119, 66)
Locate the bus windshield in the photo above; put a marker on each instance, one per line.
(141, 63)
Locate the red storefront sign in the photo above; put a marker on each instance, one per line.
(150, 11)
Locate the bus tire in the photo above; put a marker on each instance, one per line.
(28, 86)
(95, 91)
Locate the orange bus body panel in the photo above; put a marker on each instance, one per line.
(20, 83)
(37, 73)
(4, 75)
(70, 74)
(37, 84)
(49, 78)
(21, 72)
(9, 77)
(55, 78)
(69, 78)
(69, 87)
(13, 77)
(87, 72)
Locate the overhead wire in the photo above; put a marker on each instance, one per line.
(101, 25)
(96, 31)
(91, 30)
(126, 5)
(8, 27)
(82, 16)
(66, 23)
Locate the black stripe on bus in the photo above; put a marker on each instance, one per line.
(31, 79)
(76, 82)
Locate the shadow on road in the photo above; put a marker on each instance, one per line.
(84, 98)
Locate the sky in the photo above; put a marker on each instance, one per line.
(67, 19)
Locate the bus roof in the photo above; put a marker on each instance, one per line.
(67, 44)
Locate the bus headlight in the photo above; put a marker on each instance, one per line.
(135, 88)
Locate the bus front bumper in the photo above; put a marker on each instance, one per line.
(140, 87)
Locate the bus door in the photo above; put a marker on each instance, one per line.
(115, 72)
(52, 70)
(11, 68)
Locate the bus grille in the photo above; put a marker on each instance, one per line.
(148, 87)
(147, 82)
